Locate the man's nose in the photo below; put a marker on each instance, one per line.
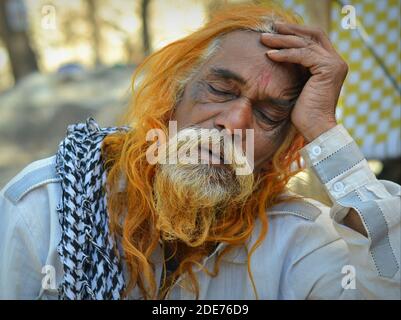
(235, 115)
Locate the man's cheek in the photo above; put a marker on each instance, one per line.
(263, 151)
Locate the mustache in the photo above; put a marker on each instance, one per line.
(194, 145)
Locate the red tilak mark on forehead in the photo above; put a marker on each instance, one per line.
(265, 79)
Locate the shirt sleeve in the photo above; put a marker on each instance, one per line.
(20, 261)
(344, 172)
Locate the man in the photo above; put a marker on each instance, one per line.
(100, 221)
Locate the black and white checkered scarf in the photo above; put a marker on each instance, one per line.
(91, 263)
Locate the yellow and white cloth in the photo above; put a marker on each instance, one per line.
(369, 106)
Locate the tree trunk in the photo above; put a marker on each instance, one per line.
(146, 44)
(13, 31)
(95, 30)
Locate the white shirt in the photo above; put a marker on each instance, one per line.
(307, 254)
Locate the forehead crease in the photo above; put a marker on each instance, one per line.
(250, 68)
(264, 77)
(260, 82)
(250, 60)
(251, 63)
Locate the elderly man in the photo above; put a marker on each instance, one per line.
(101, 221)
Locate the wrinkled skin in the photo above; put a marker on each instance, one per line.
(247, 85)
(294, 76)
(260, 97)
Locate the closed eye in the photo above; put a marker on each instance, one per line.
(266, 119)
(219, 92)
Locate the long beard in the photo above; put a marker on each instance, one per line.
(192, 199)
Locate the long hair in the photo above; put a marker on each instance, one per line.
(157, 87)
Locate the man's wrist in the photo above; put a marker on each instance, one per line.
(337, 161)
(318, 129)
(326, 144)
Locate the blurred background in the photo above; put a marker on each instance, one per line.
(63, 61)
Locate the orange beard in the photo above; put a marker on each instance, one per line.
(192, 199)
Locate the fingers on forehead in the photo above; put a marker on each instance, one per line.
(304, 31)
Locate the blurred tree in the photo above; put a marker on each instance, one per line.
(74, 27)
(92, 16)
(13, 31)
(145, 27)
(114, 21)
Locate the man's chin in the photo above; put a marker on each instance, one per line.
(190, 198)
(213, 182)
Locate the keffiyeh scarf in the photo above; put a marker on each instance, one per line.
(91, 263)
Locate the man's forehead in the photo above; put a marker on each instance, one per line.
(243, 40)
(242, 49)
(242, 53)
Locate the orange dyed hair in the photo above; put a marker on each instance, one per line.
(157, 86)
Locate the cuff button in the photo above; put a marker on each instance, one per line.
(316, 151)
(338, 186)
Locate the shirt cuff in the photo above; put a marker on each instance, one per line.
(337, 161)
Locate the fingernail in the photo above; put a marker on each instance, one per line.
(272, 51)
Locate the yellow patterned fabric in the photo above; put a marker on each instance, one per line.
(370, 105)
